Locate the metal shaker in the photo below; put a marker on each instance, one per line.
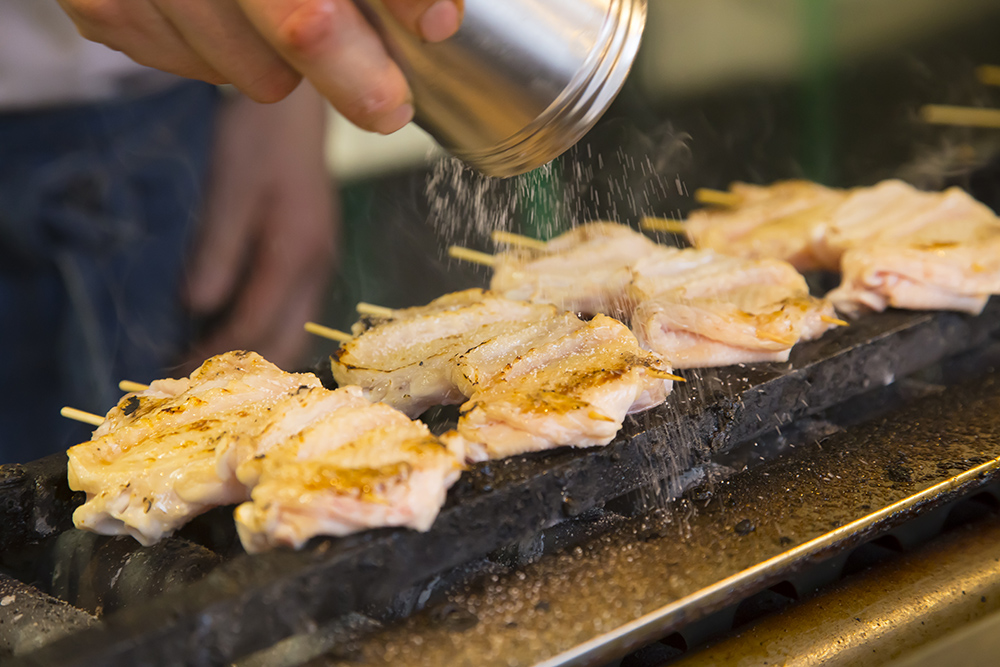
(522, 80)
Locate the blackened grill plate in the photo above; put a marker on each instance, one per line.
(249, 603)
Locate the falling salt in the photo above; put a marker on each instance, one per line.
(7, 599)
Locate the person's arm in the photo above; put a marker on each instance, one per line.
(267, 243)
(263, 47)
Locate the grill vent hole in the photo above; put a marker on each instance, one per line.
(970, 510)
(764, 603)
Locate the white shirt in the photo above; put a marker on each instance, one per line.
(44, 61)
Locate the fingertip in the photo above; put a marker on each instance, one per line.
(440, 21)
(394, 120)
(272, 86)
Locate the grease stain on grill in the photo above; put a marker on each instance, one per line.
(898, 472)
(744, 527)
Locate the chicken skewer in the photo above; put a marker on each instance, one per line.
(168, 453)
(572, 387)
(462, 345)
(894, 245)
(406, 361)
(703, 309)
(554, 276)
(339, 464)
(700, 308)
(179, 447)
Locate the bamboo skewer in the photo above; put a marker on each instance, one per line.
(988, 75)
(129, 386)
(375, 311)
(81, 416)
(663, 225)
(775, 339)
(474, 256)
(327, 332)
(717, 197)
(834, 320)
(940, 114)
(518, 240)
(663, 375)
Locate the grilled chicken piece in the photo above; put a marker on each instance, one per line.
(901, 247)
(407, 362)
(953, 266)
(442, 304)
(780, 221)
(703, 309)
(169, 453)
(290, 417)
(890, 208)
(584, 270)
(574, 390)
(355, 467)
(477, 367)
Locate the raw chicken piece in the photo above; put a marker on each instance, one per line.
(953, 266)
(703, 309)
(584, 270)
(351, 469)
(407, 362)
(167, 454)
(575, 390)
(780, 221)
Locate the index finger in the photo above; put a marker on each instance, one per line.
(335, 48)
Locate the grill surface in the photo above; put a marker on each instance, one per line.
(246, 604)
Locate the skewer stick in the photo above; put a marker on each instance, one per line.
(81, 416)
(939, 114)
(775, 339)
(988, 74)
(128, 385)
(474, 256)
(662, 225)
(834, 320)
(519, 241)
(375, 311)
(327, 332)
(663, 375)
(717, 197)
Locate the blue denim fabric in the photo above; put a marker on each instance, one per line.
(97, 205)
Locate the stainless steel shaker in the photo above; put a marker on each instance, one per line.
(522, 80)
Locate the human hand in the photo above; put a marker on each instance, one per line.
(263, 47)
(267, 242)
